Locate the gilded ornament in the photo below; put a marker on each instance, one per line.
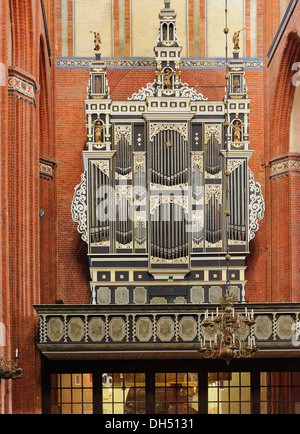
(97, 41)
(236, 39)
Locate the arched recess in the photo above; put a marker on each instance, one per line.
(284, 95)
(9, 42)
(22, 30)
(284, 182)
(295, 118)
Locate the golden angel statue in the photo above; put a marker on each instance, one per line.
(236, 39)
(97, 41)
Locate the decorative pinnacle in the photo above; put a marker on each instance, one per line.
(167, 4)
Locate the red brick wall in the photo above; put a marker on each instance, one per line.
(21, 193)
(284, 224)
(42, 260)
(73, 276)
(5, 403)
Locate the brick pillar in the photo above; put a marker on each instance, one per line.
(5, 296)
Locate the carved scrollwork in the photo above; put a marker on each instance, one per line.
(157, 128)
(79, 207)
(144, 93)
(215, 190)
(123, 131)
(187, 92)
(213, 130)
(256, 205)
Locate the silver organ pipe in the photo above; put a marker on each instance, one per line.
(197, 195)
(169, 159)
(124, 226)
(124, 223)
(140, 196)
(168, 167)
(99, 210)
(237, 200)
(213, 209)
(169, 236)
(213, 215)
(123, 157)
(213, 158)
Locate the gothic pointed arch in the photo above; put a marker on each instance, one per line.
(284, 95)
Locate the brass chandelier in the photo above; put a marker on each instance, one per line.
(226, 328)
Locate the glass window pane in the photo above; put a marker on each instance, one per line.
(118, 395)
(66, 409)
(224, 408)
(235, 379)
(140, 379)
(76, 380)
(160, 408)
(193, 379)
(66, 395)
(125, 397)
(77, 395)
(160, 379)
(213, 408)
(117, 380)
(87, 408)
(264, 408)
(245, 394)
(193, 408)
(107, 409)
(129, 380)
(129, 408)
(172, 394)
(229, 392)
(107, 395)
(140, 394)
(65, 380)
(235, 408)
(160, 394)
(224, 394)
(87, 395)
(55, 409)
(141, 407)
(182, 408)
(193, 393)
(245, 408)
(77, 408)
(182, 378)
(119, 408)
(235, 394)
(245, 379)
(87, 380)
(170, 379)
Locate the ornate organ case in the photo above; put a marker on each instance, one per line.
(161, 170)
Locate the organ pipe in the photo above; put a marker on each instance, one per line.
(99, 210)
(237, 200)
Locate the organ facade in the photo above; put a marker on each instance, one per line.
(167, 190)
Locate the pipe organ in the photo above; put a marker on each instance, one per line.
(161, 171)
